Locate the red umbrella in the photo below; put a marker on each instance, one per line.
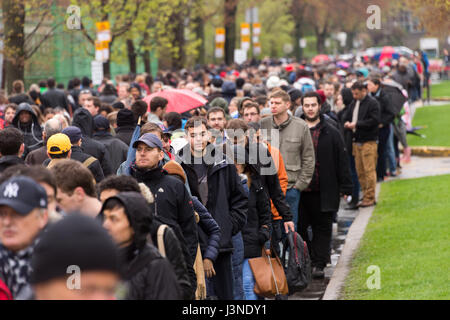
(320, 58)
(386, 52)
(180, 100)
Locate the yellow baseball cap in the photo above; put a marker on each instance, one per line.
(58, 144)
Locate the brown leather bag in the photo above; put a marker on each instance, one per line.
(265, 269)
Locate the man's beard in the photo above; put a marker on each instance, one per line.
(312, 119)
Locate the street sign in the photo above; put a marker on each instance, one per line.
(302, 43)
(240, 56)
(220, 43)
(97, 72)
(251, 15)
(245, 36)
(101, 51)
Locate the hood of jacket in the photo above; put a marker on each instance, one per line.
(83, 119)
(25, 107)
(139, 214)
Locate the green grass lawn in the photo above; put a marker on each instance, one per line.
(437, 120)
(440, 90)
(408, 239)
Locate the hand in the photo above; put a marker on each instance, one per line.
(209, 268)
(289, 225)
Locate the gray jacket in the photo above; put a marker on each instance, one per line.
(296, 147)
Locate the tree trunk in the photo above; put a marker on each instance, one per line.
(14, 30)
(200, 34)
(349, 40)
(131, 56)
(147, 62)
(320, 45)
(230, 30)
(298, 11)
(298, 34)
(178, 55)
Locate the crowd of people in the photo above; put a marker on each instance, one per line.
(149, 204)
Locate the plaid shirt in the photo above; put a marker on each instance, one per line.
(315, 133)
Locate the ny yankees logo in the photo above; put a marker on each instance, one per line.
(11, 190)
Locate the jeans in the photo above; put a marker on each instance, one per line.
(390, 151)
(237, 259)
(293, 199)
(249, 282)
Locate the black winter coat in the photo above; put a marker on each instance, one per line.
(269, 178)
(117, 149)
(19, 98)
(53, 98)
(32, 131)
(334, 170)
(175, 255)
(368, 119)
(173, 203)
(83, 120)
(209, 232)
(9, 161)
(148, 275)
(227, 201)
(387, 113)
(125, 133)
(259, 214)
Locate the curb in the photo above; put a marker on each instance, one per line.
(430, 151)
(352, 240)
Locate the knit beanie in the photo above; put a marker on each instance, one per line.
(76, 240)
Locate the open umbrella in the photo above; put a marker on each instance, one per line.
(320, 58)
(179, 100)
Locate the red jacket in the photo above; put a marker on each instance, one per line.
(5, 294)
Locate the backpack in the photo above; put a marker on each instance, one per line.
(297, 264)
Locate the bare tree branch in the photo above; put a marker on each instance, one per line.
(29, 52)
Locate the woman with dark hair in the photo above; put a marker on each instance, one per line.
(256, 231)
(108, 94)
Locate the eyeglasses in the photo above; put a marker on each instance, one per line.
(85, 91)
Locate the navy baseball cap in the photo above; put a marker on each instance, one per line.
(74, 133)
(22, 194)
(150, 140)
(101, 123)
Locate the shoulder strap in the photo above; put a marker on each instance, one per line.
(89, 161)
(160, 235)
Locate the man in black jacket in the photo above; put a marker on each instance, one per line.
(387, 116)
(331, 178)
(26, 121)
(175, 251)
(117, 149)
(214, 181)
(83, 120)
(53, 97)
(11, 147)
(173, 202)
(363, 118)
(127, 217)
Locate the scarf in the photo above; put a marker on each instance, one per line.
(15, 268)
